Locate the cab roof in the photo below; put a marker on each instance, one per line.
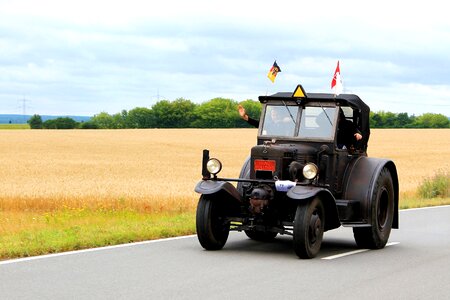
(343, 99)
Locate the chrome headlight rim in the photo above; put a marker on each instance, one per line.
(310, 171)
(214, 166)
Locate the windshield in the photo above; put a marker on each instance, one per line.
(279, 120)
(317, 122)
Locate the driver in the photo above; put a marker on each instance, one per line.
(276, 118)
(348, 134)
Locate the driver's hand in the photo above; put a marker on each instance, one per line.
(242, 112)
(358, 136)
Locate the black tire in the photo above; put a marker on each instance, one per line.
(381, 212)
(212, 227)
(308, 228)
(262, 236)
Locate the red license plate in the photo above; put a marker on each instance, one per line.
(264, 165)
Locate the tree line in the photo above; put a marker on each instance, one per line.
(215, 113)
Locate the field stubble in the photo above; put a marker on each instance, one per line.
(156, 169)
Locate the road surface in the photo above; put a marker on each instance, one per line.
(415, 265)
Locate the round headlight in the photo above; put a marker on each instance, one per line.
(310, 171)
(214, 166)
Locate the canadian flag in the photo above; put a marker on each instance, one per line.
(336, 82)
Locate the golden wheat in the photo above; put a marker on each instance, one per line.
(157, 169)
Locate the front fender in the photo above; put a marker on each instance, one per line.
(300, 192)
(209, 187)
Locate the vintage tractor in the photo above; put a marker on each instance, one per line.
(302, 178)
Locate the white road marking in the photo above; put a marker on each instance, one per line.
(11, 261)
(354, 252)
(345, 254)
(427, 207)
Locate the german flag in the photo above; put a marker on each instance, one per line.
(273, 71)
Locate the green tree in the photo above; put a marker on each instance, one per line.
(430, 120)
(61, 123)
(104, 121)
(402, 120)
(216, 113)
(140, 117)
(35, 122)
(375, 120)
(176, 114)
(388, 119)
(121, 119)
(88, 125)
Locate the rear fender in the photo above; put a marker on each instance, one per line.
(305, 193)
(360, 183)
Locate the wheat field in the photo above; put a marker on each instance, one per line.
(156, 169)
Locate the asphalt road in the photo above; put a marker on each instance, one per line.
(416, 265)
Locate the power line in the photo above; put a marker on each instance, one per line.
(24, 107)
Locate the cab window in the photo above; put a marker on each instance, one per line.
(317, 122)
(280, 120)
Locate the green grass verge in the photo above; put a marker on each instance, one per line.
(79, 229)
(14, 126)
(415, 202)
(28, 233)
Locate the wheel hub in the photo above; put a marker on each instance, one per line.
(314, 227)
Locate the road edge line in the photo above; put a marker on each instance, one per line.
(30, 258)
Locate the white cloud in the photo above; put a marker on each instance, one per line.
(91, 56)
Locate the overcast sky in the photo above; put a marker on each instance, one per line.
(86, 57)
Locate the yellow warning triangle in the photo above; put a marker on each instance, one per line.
(299, 92)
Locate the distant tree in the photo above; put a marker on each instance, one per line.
(140, 117)
(175, 114)
(88, 125)
(430, 120)
(61, 123)
(412, 122)
(35, 122)
(384, 119)
(375, 120)
(120, 119)
(402, 120)
(216, 113)
(387, 119)
(104, 121)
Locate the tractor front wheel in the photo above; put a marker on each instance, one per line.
(212, 227)
(308, 228)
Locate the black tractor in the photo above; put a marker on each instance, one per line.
(306, 175)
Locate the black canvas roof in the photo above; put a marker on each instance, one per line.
(343, 99)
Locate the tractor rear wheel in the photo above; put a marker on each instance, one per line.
(381, 213)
